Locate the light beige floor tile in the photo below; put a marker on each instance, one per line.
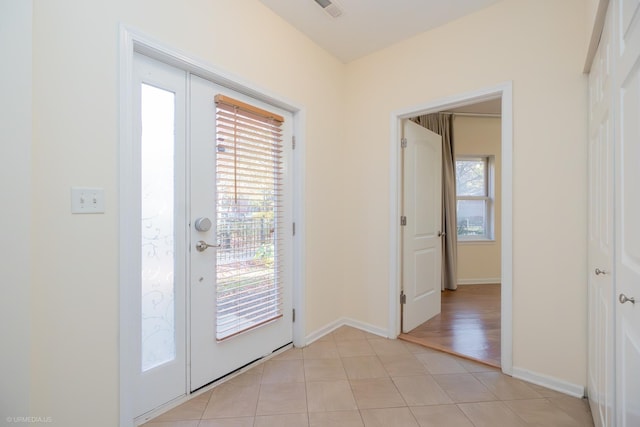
(326, 337)
(361, 367)
(292, 353)
(491, 414)
(335, 419)
(402, 365)
(354, 348)
(506, 387)
(578, 409)
(228, 422)
(192, 423)
(464, 388)
(440, 416)
(251, 377)
(390, 417)
(417, 348)
(190, 410)
(376, 393)
(541, 413)
(545, 392)
(326, 396)
(472, 366)
(287, 420)
(321, 350)
(421, 390)
(231, 400)
(324, 369)
(387, 347)
(283, 371)
(285, 398)
(347, 333)
(440, 363)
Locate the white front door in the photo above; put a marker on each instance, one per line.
(628, 214)
(422, 219)
(600, 235)
(241, 287)
(214, 203)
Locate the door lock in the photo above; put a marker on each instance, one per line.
(202, 224)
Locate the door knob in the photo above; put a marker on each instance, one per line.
(623, 298)
(599, 272)
(202, 246)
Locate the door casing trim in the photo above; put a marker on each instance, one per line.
(505, 92)
(130, 41)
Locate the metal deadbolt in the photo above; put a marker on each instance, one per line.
(623, 298)
(202, 246)
(202, 224)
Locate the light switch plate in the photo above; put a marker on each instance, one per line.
(85, 200)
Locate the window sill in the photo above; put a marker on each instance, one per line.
(476, 242)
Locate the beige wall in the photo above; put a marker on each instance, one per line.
(75, 81)
(479, 262)
(538, 45)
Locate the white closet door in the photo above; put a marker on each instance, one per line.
(628, 213)
(600, 234)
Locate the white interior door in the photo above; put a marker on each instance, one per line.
(238, 313)
(160, 345)
(600, 235)
(628, 214)
(421, 239)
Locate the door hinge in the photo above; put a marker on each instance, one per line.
(293, 315)
(403, 143)
(403, 220)
(294, 228)
(403, 298)
(293, 142)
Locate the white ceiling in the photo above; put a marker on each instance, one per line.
(369, 25)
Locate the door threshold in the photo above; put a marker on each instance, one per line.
(418, 341)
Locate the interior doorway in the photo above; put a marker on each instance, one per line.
(504, 95)
(468, 323)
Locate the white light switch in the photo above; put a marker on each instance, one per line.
(86, 200)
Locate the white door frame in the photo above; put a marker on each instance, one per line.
(505, 92)
(132, 41)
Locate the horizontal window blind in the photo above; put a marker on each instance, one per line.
(249, 221)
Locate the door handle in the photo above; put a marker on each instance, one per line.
(202, 246)
(441, 233)
(623, 298)
(599, 272)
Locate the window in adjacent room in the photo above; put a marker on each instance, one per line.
(475, 197)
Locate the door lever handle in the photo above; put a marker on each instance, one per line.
(623, 298)
(442, 233)
(202, 246)
(599, 272)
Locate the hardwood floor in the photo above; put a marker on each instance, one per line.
(468, 325)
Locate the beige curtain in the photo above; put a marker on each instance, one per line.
(442, 124)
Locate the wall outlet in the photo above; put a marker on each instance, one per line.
(86, 200)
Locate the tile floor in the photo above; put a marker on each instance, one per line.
(352, 378)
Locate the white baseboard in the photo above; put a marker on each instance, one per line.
(345, 321)
(556, 384)
(489, 281)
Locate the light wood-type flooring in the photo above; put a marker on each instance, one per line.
(468, 325)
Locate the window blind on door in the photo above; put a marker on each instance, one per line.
(249, 216)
